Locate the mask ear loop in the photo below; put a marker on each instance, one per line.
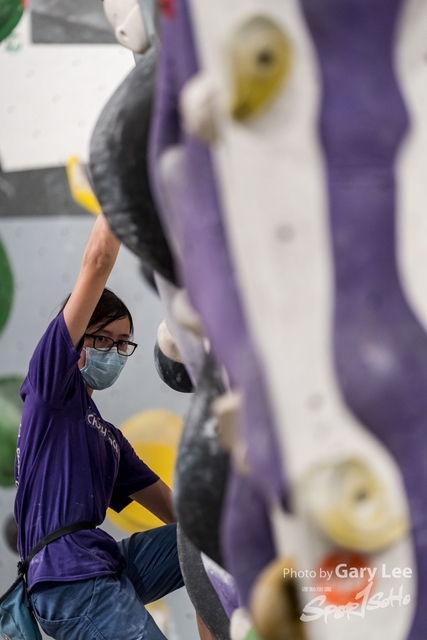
(149, 15)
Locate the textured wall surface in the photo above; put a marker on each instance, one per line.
(51, 97)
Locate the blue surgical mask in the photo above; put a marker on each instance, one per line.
(102, 368)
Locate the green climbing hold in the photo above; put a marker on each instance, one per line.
(10, 14)
(6, 286)
(10, 418)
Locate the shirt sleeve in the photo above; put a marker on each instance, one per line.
(133, 475)
(53, 365)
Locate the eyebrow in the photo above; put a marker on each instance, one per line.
(108, 333)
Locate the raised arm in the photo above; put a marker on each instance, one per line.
(98, 260)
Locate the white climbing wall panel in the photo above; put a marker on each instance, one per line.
(51, 97)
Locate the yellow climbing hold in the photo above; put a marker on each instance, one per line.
(351, 506)
(155, 435)
(274, 603)
(260, 57)
(80, 187)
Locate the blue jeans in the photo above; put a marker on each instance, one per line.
(111, 607)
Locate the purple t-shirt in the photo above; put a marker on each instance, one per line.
(70, 467)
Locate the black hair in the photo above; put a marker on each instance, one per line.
(108, 309)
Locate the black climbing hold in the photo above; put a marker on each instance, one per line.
(174, 374)
(119, 168)
(200, 590)
(202, 465)
(10, 531)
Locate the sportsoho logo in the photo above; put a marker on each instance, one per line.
(347, 583)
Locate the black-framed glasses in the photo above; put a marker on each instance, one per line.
(102, 343)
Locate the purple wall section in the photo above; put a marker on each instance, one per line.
(248, 539)
(380, 348)
(206, 268)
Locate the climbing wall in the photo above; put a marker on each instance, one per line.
(53, 89)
